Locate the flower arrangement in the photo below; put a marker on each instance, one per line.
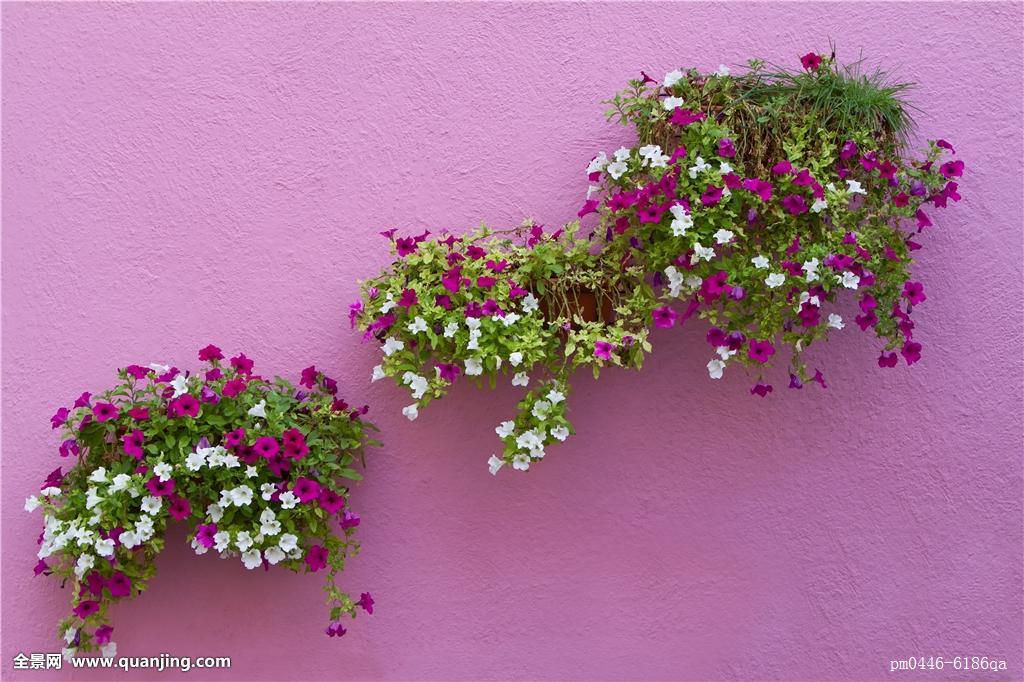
(756, 202)
(257, 469)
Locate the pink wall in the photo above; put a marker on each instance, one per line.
(176, 175)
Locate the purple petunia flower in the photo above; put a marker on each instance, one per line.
(266, 447)
(354, 310)
(664, 317)
(448, 371)
(86, 609)
(69, 448)
(41, 569)
(794, 381)
(782, 168)
(408, 298)
(205, 533)
(405, 246)
(762, 188)
(711, 196)
(914, 292)
(761, 389)
(308, 377)
(138, 371)
(366, 602)
(119, 585)
(911, 352)
(306, 489)
(133, 442)
(316, 558)
(59, 418)
(104, 412)
(485, 282)
(184, 406)
(83, 400)
(179, 508)
(103, 634)
(335, 630)
(233, 387)
(848, 150)
(684, 117)
(330, 501)
(888, 359)
(589, 206)
(726, 148)
(350, 519)
(603, 350)
(760, 351)
(795, 204)
(160, 488)
(242, 364)
(952, 169)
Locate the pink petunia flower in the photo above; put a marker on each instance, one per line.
(179, 508)
(603, 350)
(104, 412)
(760, 351)
(132, 443)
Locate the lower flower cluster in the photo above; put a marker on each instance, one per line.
(256, 468)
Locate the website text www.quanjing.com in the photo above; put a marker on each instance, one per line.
(158, 663)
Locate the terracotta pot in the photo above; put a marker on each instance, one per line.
(582, 302)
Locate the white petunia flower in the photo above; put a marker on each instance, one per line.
(760, 262)
(221, 540)
(653, 156)
(216, 512)
(99, 476)
(105, 547)
(162, 470)
(673, 77)
(51, 492)
(560, 433)
(267, 490)
(521, 462)
(701, 253)
(617, 170)
(288, 500)
(671, 103)
(259, 409)
(723, 236)
(493, 464)
(715, 368)
(243, 541)
(474, 367)
(196, 460)
(598, 163)
(410, 412)
(725, 352)
(418, 386)
(819, 205)
(530, 303)
(540, 409)
(274, 555)
(775, 279)
(252, 559)
(159, 369)
(520, 379)
(417, 326)
(31, 503)
(699, 167)
(623, 154)
(835, 321)
(378, 373)
(509, 319)
(388, 304)
(850, 280)
(682, 221)
(120, 482)
(251, 472)
(515, 358)
(151, 504)
(450, 329)
(288, 542)
(392, 345)
(555, 397)
(241, 496)
(853, 187)
(69, 635)
(180, 385)
(723, 70)
(84, 565)
(505, 429)
(724, 168)
(109, 650)
(128, 539)
(675, 280)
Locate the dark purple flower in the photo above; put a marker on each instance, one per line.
(59, 418)
(408, 298)
(888, 359)
(69, 448)
(133, 442)
(366, 602)
(795, 204)
(335, 630)
(794, 381)
(761, 389)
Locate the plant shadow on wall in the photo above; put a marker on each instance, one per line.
(256, 469)
(753, 201)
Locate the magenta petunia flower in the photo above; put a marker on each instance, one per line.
(866, 320)
(69, 448)
(760, 351)
(475, 252)
(589, 206)
(901, 199)
(119, 585)
(794, 381)
(330, 501)
(184, 406)
(233, 387)
(95, 583)
(354, 310)
(516, 291)
(86, 608)
(205, 533)
(316, 558)
(945, 194)
(726, 148)
(848, 150)
(712, 195)
(491, 308)
(366, 602)
(54, 479)
(306, 489)
(408, 298)
(448, 371)
(762, 188)
(242, 364)
(684, 117)
(104, 412)
(952, 169)
(603, 350)
(103, 634)
(138, 371)
(888, 359)
(132, 443)
(405, 246)
(179, 508)
(810, 315)
(214, 374)
(279, 465)
(336, 630)
(485, 282)
(887, 169)
(732, 181)
(664, 317)
(795, 204)
(41, 569)
(820, 378)
(83, 400)
(811, 61)
(349, 519)
(911, 352)
(914, 292)
(211, 352)
(761, 389)
(266, 447)
(308, 377)
(782, 168)
(159, 488)
(59, 418)
(803, 178)
(208, 395)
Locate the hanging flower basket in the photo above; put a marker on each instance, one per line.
(258, 471)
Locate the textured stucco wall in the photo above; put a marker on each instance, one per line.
(175, 175)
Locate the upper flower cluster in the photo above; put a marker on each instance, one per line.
(254, 466)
